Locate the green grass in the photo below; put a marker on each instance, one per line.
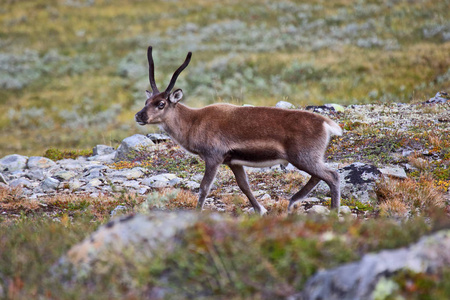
(73, 73)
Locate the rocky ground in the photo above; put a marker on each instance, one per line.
(379, 141)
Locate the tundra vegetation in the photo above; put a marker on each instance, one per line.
(72, 75)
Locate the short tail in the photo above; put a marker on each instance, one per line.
(332, 127)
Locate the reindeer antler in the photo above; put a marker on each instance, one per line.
(151, 70)
(177, 72)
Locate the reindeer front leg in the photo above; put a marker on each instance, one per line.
(205, 186)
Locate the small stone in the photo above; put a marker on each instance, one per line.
(39, 162)
(266, 197)
(192, 185)
(197, 177)
(143, 190)
(335, 107)
(119, 210)
(95, 182)
(36, 174)
(134, 173)
(397, 172)
(158, 137)
(285, 105)
(75, 185)
(310, 200)
(107, 158)
(132, 184)
(132, 146)
(161, 181)
(64, 175)
(345, 210)
(319, 210)
(50, 184)
(21, 182)
(258, 193)
(13, 162)
(102, 150)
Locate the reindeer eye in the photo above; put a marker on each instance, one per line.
(161, 105)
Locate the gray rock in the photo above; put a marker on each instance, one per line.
(64, 175)
(345, 210)
(285, 105)
(102, 150)
(39, 162)
(143, 190)
(107, 158)
(94, 182)
(12, 163)
(21, 182)
(266, 197)
(132, 146)
(131, 184)
(319, 210)
(397, 172)
(158, 137)
(49, 184)
(134, 173)
(360, 280)
(357, 181)
(440, 97)
(140, 235)
(75, 185)
(310, 200)
(197, 177)
(192, 185)
(118, 210)
(70, 164)
(161, 180)
(35, 174)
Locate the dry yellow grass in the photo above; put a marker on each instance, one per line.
(418, 197)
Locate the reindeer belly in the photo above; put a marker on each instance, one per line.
(255, 158)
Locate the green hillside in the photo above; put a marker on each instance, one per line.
(73, 72)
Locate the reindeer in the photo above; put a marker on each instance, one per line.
(243, 136)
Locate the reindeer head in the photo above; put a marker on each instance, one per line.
(159, 103)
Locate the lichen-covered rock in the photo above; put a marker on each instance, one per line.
(39, 162)
(358, 181)
(132, 146)
(12, 163)
(359, 280)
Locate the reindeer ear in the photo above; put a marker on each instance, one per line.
(148, 94)
(176, 96)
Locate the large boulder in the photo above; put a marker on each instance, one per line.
(12, 163)
(133, 146)
(365, 278)
(135, 235)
